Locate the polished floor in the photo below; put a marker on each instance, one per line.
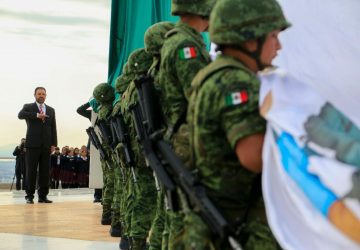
(71, 222)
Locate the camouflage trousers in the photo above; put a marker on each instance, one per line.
(197, 236)
(173, 232)
(108, 187)
(157, 226)
(173, 235)
(141, 205)
(118, 188)
(174, 221)
(125, 202)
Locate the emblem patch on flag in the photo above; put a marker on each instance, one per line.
(187, 53)
(236, 98)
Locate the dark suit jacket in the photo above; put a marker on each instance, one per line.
(39, 133)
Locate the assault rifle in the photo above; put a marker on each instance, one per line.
(105, 132)
(97, 144)
(121, 135)
(168, 167)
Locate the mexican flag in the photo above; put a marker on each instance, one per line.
(188, 53)
(236, 98)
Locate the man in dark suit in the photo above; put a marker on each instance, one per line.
(40, 136)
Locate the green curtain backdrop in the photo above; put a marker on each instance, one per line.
(129, 21)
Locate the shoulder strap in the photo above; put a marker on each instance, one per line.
(214, 67)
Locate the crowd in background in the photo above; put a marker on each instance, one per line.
(70, 167)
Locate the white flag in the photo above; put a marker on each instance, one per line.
(311, 175)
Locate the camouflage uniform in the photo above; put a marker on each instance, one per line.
(116, 222)
(121, 84)
(140, 203)
(224, 109)
(153, 39)
(104, 95)
(182, 56)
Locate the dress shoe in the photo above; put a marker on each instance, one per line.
(29, 200)
(44, 200)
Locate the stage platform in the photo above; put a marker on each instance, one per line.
(71, 222)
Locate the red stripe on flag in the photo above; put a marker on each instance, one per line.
(244, 96)
(192, 52)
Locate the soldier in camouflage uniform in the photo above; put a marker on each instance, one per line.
(140, 205)
(226, 130)
(115, 229)
(104, 95)
(153, 39)
(182, 56)
(121, 84)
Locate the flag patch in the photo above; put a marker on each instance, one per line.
(237, 98)
(187, 53)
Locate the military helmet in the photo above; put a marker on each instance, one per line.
(124, 79)
(233, 22)
(196, 7)
(139, 61)
(103, 93)
(155, 35)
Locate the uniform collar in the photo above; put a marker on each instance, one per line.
(190, 30)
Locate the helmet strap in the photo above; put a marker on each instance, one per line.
(254, 54)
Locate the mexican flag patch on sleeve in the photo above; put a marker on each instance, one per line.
(187, 53)
(236, 98)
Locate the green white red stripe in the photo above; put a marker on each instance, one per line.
(187, 53)
(236, 98)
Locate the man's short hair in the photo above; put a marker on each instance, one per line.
(37, 88)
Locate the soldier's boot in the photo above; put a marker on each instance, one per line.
(106, 218)
(115, 230)
(124, 243)
(137, 244)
